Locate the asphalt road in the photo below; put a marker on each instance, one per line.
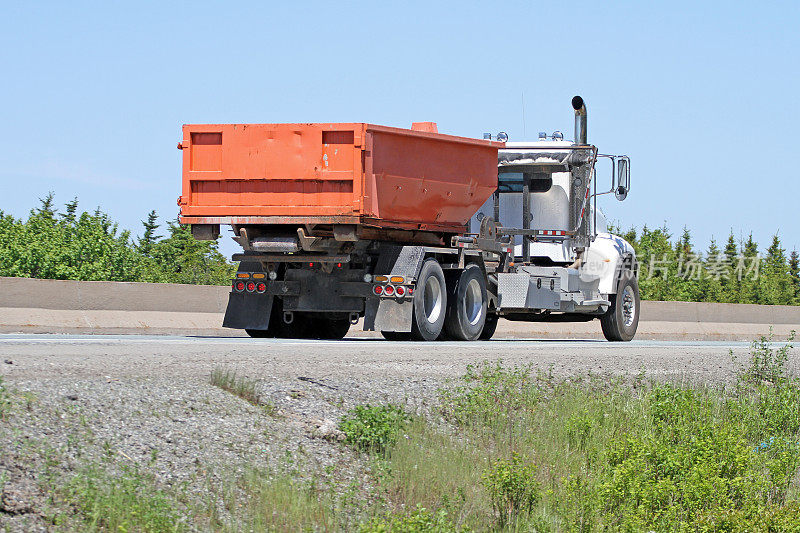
(132, 356)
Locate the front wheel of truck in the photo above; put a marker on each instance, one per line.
(620, 321)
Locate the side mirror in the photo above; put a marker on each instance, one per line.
(623, 178)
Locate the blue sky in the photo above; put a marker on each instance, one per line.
(701, 95)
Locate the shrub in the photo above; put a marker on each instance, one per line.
(491, 395)
(512, 488)
(420, 520)
(374, 428)
(89, 246)
(767, 364)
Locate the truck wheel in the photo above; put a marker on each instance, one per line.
(333, 328)
(430, 302)
(302, 327)
(620, 321)
(466, 309)
(260, 333)
(396, 335)
(489, 327)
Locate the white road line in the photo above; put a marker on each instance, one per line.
(23, 339)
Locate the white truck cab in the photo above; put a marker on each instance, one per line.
(546, 202)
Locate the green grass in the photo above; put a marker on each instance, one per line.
(510, 450)
(128, 500)
(262, 501)
(5, 400)
(532, 453)
(228, 380)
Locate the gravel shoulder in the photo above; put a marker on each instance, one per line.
(147, 401)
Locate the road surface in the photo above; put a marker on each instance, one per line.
(133, 356)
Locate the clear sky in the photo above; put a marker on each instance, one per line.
(701, 95)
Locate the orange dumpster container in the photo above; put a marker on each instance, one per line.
(347, 173)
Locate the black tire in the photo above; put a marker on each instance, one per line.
(333, 328)
(620, 321)
(260, 333)
(396, 335)
(302, 327)
(430, 302)
(489, 327)
(466, 305)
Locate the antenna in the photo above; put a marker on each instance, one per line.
(524, 129)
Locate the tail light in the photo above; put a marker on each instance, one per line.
(377, 289)
(251, 286)
(261, 287)
(410, 291)
(400, 291)
(388, 290)
(240, 286)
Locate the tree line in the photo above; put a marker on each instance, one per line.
(736, 272)
(69, 243)
(72, 244)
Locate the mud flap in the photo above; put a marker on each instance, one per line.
(248, 311)
(388, 315)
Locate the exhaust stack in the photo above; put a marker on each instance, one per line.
(580, 120)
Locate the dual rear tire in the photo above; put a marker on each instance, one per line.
(453, 311)
(466, 312)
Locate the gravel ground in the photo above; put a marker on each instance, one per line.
(148, 401)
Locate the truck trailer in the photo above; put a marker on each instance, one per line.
(422, 235)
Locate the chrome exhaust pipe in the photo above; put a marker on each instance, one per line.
(580, 120)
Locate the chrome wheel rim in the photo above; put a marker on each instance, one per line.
(432, 299)
(473, 302)
(628, 306)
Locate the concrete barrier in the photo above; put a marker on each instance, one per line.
(58, 306)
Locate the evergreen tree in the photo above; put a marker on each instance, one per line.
(750, 248)
(714, 270)
(794, 273)
(684, 245)
(749, 271)
(46, 208)
(71, 209)
(730, 283)
(149, 237)
(775, 284)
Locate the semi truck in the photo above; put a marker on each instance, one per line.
(417, 234)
